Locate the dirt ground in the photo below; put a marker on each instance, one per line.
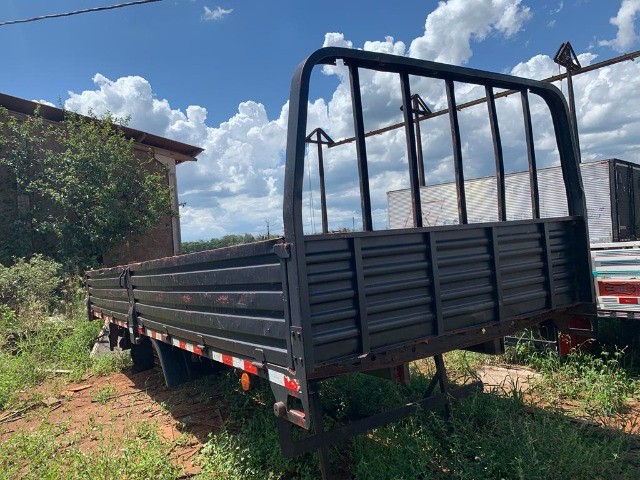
(188, 413)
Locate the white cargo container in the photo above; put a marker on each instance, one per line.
(612, 189)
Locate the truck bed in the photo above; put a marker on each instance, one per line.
(366, 292)
(305, 307)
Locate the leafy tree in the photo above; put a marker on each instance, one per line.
(81, 189)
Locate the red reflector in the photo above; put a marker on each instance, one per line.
(291, 384)
(629, 300)
(140, 330)
(628, 289)
(250, 367)
(227, 360)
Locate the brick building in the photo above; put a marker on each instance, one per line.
(164, 239)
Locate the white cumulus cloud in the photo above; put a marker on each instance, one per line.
(453, 25)
(625, 22)
(237, 183)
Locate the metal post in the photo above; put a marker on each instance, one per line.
(567, 58)
(321, 138)
(323, 450)
(531, 155)
(457, 152)
(415, 101)
(323, 193)
(411, 151)
(497, 151)
(574, 116)
(361, 148)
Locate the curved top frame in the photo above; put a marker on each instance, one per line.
(298, 109)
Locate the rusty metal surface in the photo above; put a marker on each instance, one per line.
(229, 299)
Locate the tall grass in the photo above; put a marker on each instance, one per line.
(63, 345)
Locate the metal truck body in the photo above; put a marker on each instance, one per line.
(301, 308)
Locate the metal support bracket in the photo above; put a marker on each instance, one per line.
(321, 439)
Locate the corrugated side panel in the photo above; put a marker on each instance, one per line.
(440, 207)
(404, 291)
(107, 293)
(467, 277)
(229, 299)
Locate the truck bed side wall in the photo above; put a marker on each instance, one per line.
(375, 290)
(229, 299)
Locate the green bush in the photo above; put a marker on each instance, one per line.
(29, 287)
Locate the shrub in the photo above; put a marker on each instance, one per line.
(30, 287)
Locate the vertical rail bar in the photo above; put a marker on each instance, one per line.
(323, 192)
(457, 152)
(574, 114)
(497, 274)
(497, 151)
(435, 279)
(365, 343)
(361, 148)
(531, 155)
(409, 132)
(416, 113)
(549, 262)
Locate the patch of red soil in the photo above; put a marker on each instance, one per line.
(110, 408)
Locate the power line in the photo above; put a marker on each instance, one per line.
(77, 12)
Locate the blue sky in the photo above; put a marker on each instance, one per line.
(223, 83)
(248, 54)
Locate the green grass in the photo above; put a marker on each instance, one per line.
(52, 452)
(63, 346)
(103, 395)
(492, 437)
(489, 437)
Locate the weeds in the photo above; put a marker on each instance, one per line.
(248, 447)
(31, 289)
(599, 384)
(110, 363)
(103, 395)
(49, 452)
(492, 437)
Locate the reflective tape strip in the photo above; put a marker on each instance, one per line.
(226, 359)
(120, 323)
(189, 347)
(285, 381)
(622, 300)
(157, 335)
